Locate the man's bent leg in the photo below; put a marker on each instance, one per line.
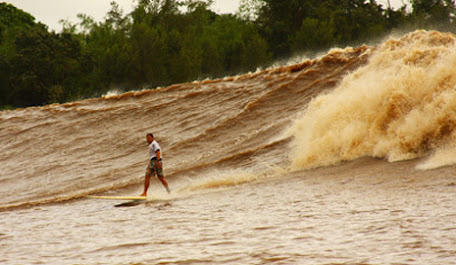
(165, 184)
(159, 172)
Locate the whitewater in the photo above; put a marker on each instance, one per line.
(344, 159)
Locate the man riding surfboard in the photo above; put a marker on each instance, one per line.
(155, 164)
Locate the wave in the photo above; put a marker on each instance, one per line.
(399, 106)
(394, 101)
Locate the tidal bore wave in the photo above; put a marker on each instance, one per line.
(396, 101)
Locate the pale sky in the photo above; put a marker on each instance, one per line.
(50, 12)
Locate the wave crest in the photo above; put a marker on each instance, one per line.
(401, 105)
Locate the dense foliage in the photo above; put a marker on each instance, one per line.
(171, 41)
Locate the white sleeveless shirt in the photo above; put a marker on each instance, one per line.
(153, 147)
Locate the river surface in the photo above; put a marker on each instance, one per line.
(344, 159)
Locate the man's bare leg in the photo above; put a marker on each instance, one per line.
(146, 184)
(165, 184)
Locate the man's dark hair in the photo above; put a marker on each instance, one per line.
(151, 135)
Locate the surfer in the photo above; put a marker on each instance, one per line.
(155, 164)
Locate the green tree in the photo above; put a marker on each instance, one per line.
(427, 13)
(279, 20)
(314, 35)
(44, 62)
(12, 20)
(149, 55)
(109, 48)
(5, 73)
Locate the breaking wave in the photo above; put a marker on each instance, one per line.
(400, 105)
(396, 101)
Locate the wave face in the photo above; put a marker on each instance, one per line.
(394, 101)
(400, 105)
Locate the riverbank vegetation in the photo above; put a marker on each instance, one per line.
(162, 42)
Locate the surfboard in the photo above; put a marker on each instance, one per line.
(125, 198)
(130, 200)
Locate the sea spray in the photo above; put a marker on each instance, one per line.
(401, 105)
(216, 179)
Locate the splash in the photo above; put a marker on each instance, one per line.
(395, 101)
(443, 156)
(216, 180)
(400, 106)
(112, 94)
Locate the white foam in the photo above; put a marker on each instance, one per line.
(401, 105)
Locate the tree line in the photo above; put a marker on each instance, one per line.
(162, 42)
